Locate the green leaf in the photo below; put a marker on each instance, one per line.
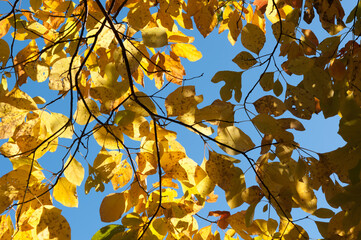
(123, 118)
(107, 232)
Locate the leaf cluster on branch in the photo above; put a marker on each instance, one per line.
(98, 60)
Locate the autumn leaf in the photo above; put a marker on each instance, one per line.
(187, 51)
(65, 193)
(234, 137)
(112, 207)
(233, 82)
(155, 37)
(253, 38)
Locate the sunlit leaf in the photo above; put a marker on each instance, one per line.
(154, 37)
(234, 137)
(74, 171)
(65, 193)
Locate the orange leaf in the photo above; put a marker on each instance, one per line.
(222, 222)
(261, 5)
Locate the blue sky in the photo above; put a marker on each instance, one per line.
(320, 135)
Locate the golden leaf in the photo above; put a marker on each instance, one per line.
(59, 78)
(186, 51)
(139, 15)
(182, 101)
(74, 171)
(122, 174)
(51, 223)
(82, 115)
(4, 27)
(235, 138)
(108, 136)
(227, 176)
(65, 193)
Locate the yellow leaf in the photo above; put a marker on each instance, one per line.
(235, 138)
(74, 171)
(122, 174)
(6, 227)
(112, 207)
(253, 38)
(82, 115)
(268, 125)
(323, 213)
(182, 101)
(134, 57)
(52, 224)
(37, 71)
(179, 37)
(61, 123)
(252, 195)
(147, 163)
(4, 27)
(59, 78)
(142, 110)
(108, 136)
(105, 163)
(233, 82)
(39, 100)
(137, 129)
(186, 51)
(174, 68)
(65, 193)
(139, 15)
(154, 37)
(227, 176)
(216, 112)
(123, 118)
(36, 29)
(304, 196)
(244, 60)
(203, 183)
(299, 102)
(237, 222)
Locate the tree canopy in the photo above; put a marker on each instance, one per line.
(117, 85)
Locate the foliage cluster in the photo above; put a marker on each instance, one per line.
(98, 57)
